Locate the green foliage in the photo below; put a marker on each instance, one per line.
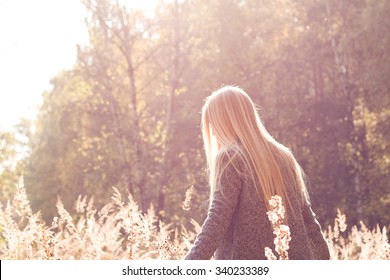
(127, 114)
(13, 153)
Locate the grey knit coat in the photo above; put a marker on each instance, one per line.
(237, 225)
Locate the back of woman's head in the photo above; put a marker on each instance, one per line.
(231, 123)
(231, 115)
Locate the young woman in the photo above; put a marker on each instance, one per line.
(246, 167)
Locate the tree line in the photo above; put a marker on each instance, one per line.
(128, 113)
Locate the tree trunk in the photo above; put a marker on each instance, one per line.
(347, 90)
(174, 78)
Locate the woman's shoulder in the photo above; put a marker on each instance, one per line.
(230, 154)
(233, 159)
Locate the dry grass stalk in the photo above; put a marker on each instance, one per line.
(117, 231)
(120, 231)
(166, 249)
(48, 242)
(360, 243)
(281, 231)
(187, 201)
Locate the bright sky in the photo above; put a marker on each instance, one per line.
(37, 40)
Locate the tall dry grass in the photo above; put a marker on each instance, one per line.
(281, 230)
(359, 243)
(120, 231)
(117, 231)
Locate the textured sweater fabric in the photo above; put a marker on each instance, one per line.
(237, 225)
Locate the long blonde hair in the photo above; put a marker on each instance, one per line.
(230, 122)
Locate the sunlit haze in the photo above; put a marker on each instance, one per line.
(37, 40)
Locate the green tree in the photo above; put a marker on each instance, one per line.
(127, 114)
(13, 155)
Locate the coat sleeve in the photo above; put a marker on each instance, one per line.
(313, 229)
(219, 215)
